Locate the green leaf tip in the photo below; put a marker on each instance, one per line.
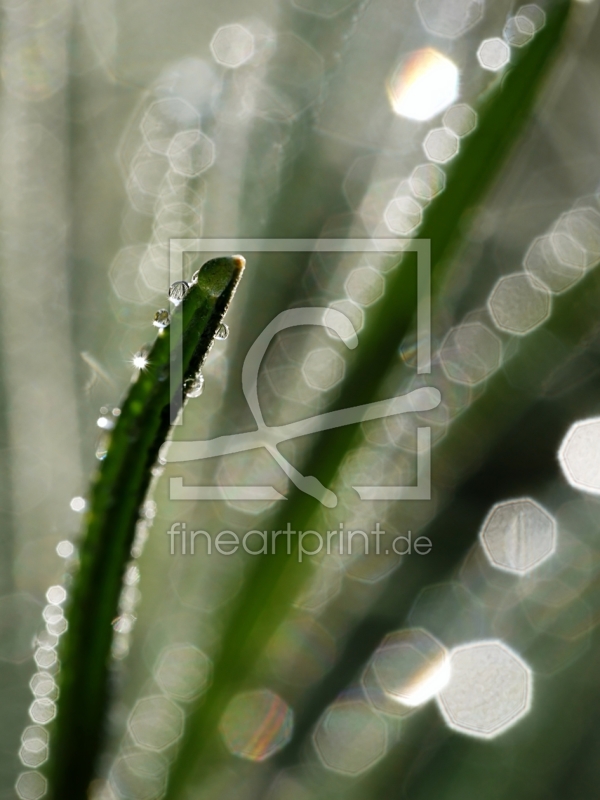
(116, 498)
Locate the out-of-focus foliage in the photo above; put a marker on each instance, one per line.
(466, 672)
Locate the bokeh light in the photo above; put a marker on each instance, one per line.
(411, 666)
(350, 738)
(441, 145)
(156, 723)
(580, 455)
(518, 535)
(518, 303)
(450, 18)
(183, 672)
(493, 54)
(256, 725)
(423, 85)
(470, 353)
(232, 45)
(490, 689)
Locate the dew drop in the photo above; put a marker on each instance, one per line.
(140, 359)
(194, 386)
(222, 332)
(102, 447)
(106, 423)
(178, 291)
(195, 276)
(162, 318)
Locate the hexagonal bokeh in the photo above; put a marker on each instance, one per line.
(582, 224)
(378, 698)
(139, 776)
(31, 785)
(232, 45)
(350, 737)
(42, 684)
(42, 710)
(534, 14)
(411, 666)
(518, 31)
(427, 181)
(191, 153)
(164, 118)
(349, 309)
(364, 285)
(34, 746)
(156, 723)
(423, 85)
(403, 215)
(449, 18)
(256, 725)
(323, 368)
(579, 455)
(518, 303)
(183, 672)
(440, 145)
(470, 353)
(489, 690)
(544, 263)
(493, 54)
(323, 8)
(461, 119)
(518, 535)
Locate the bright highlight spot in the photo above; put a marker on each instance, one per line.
(579, 455)
(423, 85)
(78, 504)
(411, 666)
(489, 690)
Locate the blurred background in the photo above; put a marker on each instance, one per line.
(123, 125)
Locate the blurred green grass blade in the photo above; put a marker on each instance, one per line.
(114, 509)
(469, 439)
(272, 586)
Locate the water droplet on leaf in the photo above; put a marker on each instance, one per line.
(178, 291)
(222, 332)
(194, 386)
(162, 318)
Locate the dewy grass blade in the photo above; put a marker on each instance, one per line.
(271, 588)
(114, 509)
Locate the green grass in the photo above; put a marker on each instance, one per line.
(274, 581)
(114, 508)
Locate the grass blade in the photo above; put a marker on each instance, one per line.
(271, 588)
(114, 509)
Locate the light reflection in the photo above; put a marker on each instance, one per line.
(579, 455)
(489, 690)
(256, 725)
(423, 85)
(411, 666)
